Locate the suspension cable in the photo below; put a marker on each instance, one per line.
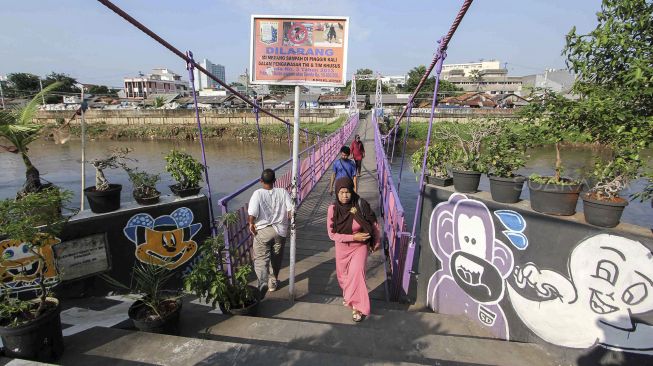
(183, 56)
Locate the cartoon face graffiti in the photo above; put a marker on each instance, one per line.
(19, 267)
(611, 279)
(165, 241)
(474, 263)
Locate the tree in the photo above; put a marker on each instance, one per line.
(415, 75)
(22, 83)
(66, 85)
(616, 57)
(476, 77)
(17, 126)
(101, 90)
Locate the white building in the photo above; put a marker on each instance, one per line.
(160, 81)
(394, 82)
(204, 82)
(464, 69)
(557, 80)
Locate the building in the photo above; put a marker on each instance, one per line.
(557, 80)
(160, 81)
(394, 82)
(465, 69)
(204, 82)
(491, 81)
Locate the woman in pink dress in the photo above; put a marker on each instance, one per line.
(352, 224)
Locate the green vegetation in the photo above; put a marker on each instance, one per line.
(504, 152)
(415, 75)
(116, 159)
(33, 223)
(17, 126)
(144, 183)
(185, 169)
(437, 160)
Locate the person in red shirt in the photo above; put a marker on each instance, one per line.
(358, 152)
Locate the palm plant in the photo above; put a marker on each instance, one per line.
(18, 127)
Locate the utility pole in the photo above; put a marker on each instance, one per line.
(2, 95)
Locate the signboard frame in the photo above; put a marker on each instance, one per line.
(105, 241)
(281, 18)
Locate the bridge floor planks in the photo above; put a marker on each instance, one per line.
(315, 271)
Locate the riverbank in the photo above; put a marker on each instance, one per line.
(236, 131)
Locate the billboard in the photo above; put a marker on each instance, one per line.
(299, 50)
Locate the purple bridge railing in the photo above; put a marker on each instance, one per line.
(394, 222)
(314, 162)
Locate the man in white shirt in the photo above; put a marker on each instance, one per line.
(269, 210)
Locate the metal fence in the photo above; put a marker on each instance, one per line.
(314, 162)
(394, 223)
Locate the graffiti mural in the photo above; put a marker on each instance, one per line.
(475, 264)
(610, 280)
(20, 267)
(165, 241)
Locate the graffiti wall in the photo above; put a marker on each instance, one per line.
(20, 265)
(529, 277)
(166, 234)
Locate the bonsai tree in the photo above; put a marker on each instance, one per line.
(144, 183)
(18, 127)
(208, 280)
(467, 139)
(184, 169)
(436, 161)
(646, 194)
(504, 152)
(612, 174)
(29, 227)
(115, 160)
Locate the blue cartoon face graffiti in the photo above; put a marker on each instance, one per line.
(165, 241)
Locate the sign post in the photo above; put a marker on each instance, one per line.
(298, 50)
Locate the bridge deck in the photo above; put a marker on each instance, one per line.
(315, 269)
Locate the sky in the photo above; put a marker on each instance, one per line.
(89, 42)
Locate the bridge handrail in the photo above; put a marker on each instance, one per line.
(394, 223)
(314, 162)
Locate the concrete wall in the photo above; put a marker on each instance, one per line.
(185, 116)
(530, 277)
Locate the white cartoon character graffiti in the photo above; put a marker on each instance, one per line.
(475, 264)
(164, 241)
(611, 278)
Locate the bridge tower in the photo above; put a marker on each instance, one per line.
(353, 103)
(378, 100)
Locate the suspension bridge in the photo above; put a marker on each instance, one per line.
(304, 322)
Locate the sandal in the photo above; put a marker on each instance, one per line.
(356, 316)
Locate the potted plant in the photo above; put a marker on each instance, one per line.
(551, 117)
(145, 192)
(209, 282)
(156, 310)
(104, 196)
(504, 154)
(602, 205)
(436, 163)
(186, 171)
(466, 158)
(17, 127)
(646, 194)
(30, 324)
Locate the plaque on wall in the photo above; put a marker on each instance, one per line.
(82, 257)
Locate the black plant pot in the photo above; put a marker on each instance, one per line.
(38, 340)
(146, 200)
(506, 190)
(177, 191)
(249, 310)
(168, 324)
(554, 199)
(603, 213)
(441, 182)
(466, 181)
(103, 201)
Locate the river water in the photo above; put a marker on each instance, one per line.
(233, 163)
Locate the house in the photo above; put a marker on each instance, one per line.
(307, 101)
(469, 100)
(509, 101)
(160, 81)
(341, 101)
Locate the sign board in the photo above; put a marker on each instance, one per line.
(82, 257)
(299, 50)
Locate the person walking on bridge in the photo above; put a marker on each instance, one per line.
(352, 225)
(269, 210)
(358, 153)
(342, 168)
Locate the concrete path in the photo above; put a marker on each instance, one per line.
(315, 268)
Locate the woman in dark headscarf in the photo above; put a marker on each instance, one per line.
(352, 225)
